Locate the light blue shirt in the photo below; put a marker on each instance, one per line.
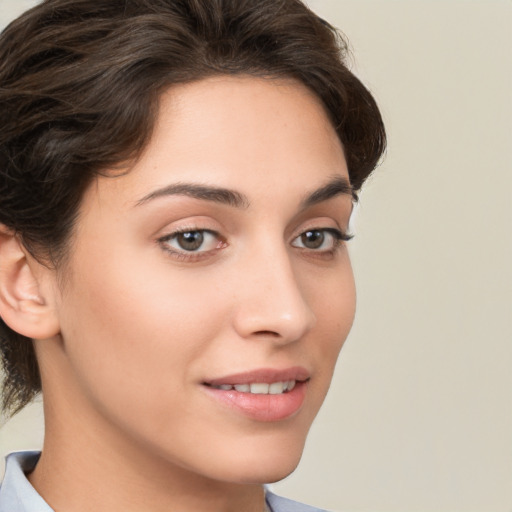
(17, 495)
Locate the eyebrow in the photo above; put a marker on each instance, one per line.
(197, 191)
(336, 186)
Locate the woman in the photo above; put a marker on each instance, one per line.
(177, 179)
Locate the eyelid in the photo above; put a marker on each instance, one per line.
(323, 225)
(185, 225)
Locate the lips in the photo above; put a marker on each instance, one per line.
(263, 375)
(264, 394)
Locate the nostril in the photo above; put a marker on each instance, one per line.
(267, 333)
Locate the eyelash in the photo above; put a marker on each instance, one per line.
(191, 256)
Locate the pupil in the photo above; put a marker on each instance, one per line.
(313, 239)
(191, 240)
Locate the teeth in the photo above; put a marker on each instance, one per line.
(276, 388)
(260, 388)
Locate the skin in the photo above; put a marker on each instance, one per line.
(142, 324)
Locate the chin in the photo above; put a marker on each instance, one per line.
(265, 474)
(264, 465)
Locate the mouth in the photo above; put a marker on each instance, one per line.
(262, 395)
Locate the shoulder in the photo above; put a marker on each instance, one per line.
(279, 504)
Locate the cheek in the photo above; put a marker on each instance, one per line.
(334, 304)
(132, 332)
(333, 299)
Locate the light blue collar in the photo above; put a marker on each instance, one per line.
(16, 493)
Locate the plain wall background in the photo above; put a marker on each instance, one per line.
(419, 417)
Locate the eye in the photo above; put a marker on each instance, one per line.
(193, 241)
(320, 239)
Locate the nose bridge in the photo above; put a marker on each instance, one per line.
(272, 302)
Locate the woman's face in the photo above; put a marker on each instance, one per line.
(209, 290)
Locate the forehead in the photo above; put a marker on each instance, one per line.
(255, 135)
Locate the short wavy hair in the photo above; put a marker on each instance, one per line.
(80, 82)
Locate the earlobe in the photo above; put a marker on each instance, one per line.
(26, 303)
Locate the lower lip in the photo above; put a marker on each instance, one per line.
(262, 407)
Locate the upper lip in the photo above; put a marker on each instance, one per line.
(262, 375)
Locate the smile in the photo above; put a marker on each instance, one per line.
(263, 394)
(259, 388)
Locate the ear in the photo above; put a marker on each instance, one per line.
(27, 301)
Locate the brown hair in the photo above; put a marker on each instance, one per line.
(79, 88)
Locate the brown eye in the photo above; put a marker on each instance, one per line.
(190, 241)
(313, 239)
(198, 241)
(320, 240)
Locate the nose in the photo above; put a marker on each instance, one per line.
(271, 302)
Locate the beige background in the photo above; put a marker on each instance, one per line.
(419, 418)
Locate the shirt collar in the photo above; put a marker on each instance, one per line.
(16, 492)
